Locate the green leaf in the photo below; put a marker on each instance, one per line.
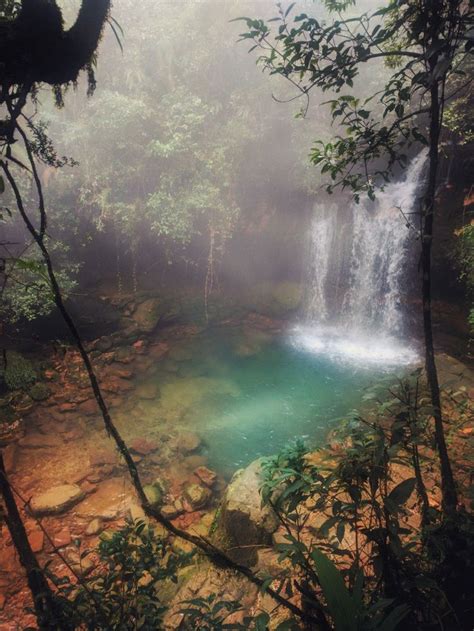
(339, 600)
(394, 618)
(400, 494)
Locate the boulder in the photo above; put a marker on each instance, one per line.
(195, 496)
(56, 500)
(147, 315)
(244, 525)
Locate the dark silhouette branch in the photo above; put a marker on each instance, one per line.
(34, 48)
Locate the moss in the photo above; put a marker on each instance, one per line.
(39, 392)
(19, 373)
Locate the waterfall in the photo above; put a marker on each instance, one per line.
(356, 270)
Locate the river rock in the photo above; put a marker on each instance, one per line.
(37, 441)
(103, 456)
(147, 391)
(188, 442)
(142, 446)
(111, 500)
(36, 539)
(195, 496)
(169, 511)
(94, 527)
(207, 477)
(244, 525)
(56, 500)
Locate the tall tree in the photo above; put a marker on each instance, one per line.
(425, 44)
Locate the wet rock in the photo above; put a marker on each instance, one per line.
(36, 539)
(111, 500)
(139, 346)
(169, 511)
(244, 525)
(56, 500)
(207, 477)
(66, 407)
(147, 315)
(38, 441)
(188, 442)
(143, 446)
(103, 344)
(195, 496)
(123, 373)
(103, 456)
(147, 391)
(62, 538)
(123, 355)
(94, 527)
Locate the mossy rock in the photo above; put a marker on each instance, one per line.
(148, 314)
(39, 392)
(275, 299)
(154, 494)
(19, 373)
(288, 296)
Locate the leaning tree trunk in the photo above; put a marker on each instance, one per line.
(448, 487)
(43, 597)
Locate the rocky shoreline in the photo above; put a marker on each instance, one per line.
(74, 486)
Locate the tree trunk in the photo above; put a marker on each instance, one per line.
(43, 597)
(448, 487)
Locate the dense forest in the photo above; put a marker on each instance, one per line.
(237, 279)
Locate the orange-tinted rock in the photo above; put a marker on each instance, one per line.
(66, 407)
(89, 407)
(206, 476)
(36, 539)
(62, 538)
(103, 456)
(143, 446)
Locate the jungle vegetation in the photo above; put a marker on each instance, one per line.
(394, 577)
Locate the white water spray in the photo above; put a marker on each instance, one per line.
(356, 274)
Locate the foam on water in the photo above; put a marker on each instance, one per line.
(360, 348)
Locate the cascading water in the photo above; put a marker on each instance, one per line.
(356, 272)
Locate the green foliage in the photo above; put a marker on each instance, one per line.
(464, 259)
(18, 372)
(376, 131)
(124, 592)
(211, 613)
(28, 293)
(393, 573)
